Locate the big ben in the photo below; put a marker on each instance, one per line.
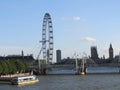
(110, 53)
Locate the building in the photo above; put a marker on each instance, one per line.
(29, 59)
(94, 54)
(110, 53)
(58, 56)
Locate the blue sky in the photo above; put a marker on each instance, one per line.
(77, 25)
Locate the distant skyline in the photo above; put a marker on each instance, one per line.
(77, 25)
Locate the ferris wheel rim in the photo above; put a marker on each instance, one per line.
(47, 52)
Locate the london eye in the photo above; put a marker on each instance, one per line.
(47, 39)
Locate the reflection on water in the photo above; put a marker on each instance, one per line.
(89, 70)
(71, 82)
(62, 71)
(102, 70)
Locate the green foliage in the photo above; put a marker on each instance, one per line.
(21, 65)
(1, 68)
(9, 68)
(12, 66)
(5, 68)
(25, 65)
(41, 62)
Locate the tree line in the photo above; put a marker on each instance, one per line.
(13, 66)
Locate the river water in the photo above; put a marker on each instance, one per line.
(71, 82)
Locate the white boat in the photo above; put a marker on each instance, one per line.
(82, 73)
(24, 80)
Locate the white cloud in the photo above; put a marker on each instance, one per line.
(76, 18)
(89, 39)
(64, 19)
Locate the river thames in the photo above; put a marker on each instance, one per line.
(71, 82)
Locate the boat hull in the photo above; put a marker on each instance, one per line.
(27, 82)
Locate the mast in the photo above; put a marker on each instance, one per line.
(83, 66)
(76, 63)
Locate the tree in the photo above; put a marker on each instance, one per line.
(21, 66)
(25, 66)
(13, 66)
(5, 68)
(1, 68)
(9, 66)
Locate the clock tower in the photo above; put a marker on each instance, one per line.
(110, 53)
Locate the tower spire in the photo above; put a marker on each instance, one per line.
(110, 45)
(110, 53)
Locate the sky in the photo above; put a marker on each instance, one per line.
(77, 25)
